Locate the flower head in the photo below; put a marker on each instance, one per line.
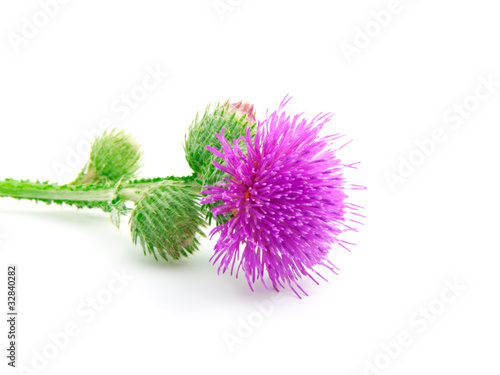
(285, 196)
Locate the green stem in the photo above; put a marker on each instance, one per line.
(52, 192)
(92, 196)
(134, 190)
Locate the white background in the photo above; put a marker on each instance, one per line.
(440, 225)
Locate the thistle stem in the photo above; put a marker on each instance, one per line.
(87, 195)
(52, 192)
(134, 190)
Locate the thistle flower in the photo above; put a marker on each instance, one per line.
(277, 191)
(285, 197)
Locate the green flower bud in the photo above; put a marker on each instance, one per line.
(114, 156)
(234, 118)
(166, 220)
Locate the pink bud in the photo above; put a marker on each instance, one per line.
(241, 109)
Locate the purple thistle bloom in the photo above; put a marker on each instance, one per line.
(285, 196)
